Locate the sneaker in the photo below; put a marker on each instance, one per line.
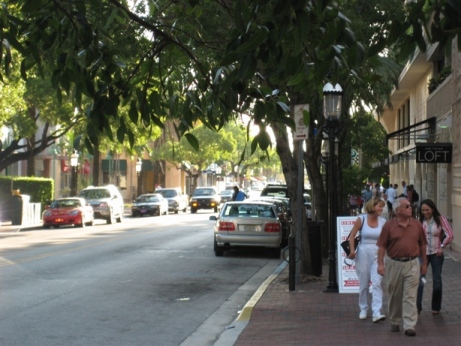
(363, 315)
(379, 317)
(395, 328)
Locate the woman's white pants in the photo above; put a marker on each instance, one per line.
(366, 266)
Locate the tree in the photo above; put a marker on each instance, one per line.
(192, 62)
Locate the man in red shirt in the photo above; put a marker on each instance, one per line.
(402, 239)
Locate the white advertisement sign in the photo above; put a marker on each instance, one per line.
(347, 278)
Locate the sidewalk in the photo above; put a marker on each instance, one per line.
(307, 316)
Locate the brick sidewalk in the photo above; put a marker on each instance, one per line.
(308, 316)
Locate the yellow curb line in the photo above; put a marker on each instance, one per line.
(247, 310)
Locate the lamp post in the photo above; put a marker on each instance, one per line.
(332, 96)
(74, 165)
(138, 172)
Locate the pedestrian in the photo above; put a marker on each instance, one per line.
(367, 194)
(238, 195)
(402, 239)
(377, 191)
(391, 195)
(353, 204)
(438, 235)
(404, 187)
(366, 258)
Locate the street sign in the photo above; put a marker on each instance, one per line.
(301, 128)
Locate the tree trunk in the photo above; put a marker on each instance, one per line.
(96, 160)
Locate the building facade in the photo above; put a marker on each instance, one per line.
(423, 129)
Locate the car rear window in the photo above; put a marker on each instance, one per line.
(204, 192)
(249, 210)
(168, 193)
(95, 193)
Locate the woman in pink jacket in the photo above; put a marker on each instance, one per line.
(438, 234)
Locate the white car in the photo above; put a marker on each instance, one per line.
(107, 202)
(176, 199)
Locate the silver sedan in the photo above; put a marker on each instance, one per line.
(247, 224)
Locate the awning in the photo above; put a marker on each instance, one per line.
(114, 165)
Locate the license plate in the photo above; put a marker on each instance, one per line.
(58, 220)
(249, 228)
(142, 211)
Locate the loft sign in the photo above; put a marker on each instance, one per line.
(434, 152)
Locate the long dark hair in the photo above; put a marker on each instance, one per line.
(435, 212)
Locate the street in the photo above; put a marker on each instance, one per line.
(145, 281)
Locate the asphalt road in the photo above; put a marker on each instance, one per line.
(146, 281)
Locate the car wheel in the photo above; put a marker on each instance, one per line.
(46, 226)
(176, 211)
(218, 250)
(193, 210)
(166, 212)
(110, 219)
(120, 216)
(185, 210)
(215, 209)
(80, 225)
(91, 222)
(56, 226)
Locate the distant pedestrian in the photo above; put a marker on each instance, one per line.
(391, 195)
(366, 263)
(377, 193)
(403, 240)
(238, 195)
(353, 204)
(438, 235)
(404, 187)
(367, 194)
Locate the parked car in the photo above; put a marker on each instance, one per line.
(247, 223)
(107, 202)
(149, 204)
(176, 199)
(68, 211)
(226, 195)
(283, 213)
(281, 191)
(204, 198)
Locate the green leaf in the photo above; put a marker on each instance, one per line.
(133, 113)
(192, 141)
(254, 41)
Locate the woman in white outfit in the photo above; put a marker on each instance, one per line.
(366, 258)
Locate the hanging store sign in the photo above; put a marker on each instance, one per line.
(434, 152)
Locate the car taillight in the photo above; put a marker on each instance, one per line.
(226, 226)
(272, 227)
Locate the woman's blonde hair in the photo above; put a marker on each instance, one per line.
(369, 207)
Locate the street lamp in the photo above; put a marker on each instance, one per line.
(74, 165)
(332, 96)
(138, 172)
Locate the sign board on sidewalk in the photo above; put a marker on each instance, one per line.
(348, 281)
(301, 128)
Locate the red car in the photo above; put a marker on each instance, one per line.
(68, 211)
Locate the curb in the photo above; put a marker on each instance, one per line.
(247, 310)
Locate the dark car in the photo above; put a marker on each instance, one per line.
(281, 191)
(226, 195)
(204, 198)
(149, 204)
